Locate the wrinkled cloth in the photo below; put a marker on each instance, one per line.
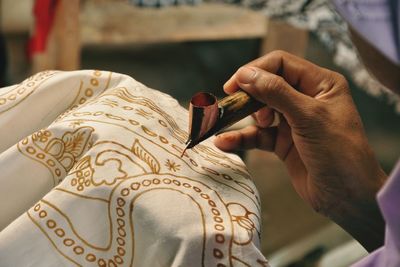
(388, 199)
(91, 175)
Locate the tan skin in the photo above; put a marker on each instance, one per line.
(320, 139)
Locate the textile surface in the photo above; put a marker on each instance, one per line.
(91, 175)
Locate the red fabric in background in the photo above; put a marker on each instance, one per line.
(44, 14)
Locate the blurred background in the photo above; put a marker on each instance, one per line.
(184, 46)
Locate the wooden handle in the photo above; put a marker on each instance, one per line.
(236, 107)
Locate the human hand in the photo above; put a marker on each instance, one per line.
(320, 139)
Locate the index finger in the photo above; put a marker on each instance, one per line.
(301, 74)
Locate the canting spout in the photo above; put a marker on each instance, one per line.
(207, 116)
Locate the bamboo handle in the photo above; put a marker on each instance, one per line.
(236, 107)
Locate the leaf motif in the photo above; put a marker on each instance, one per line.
(75, 142)
(146, 156)
(82, 164)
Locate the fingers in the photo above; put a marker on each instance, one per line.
(247, 138)
(275, 92)
(305, 76)
(231, 86)
(284, 141)
(264, 117)
(301, 74)
(245, 74)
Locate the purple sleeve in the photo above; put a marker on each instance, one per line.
(389, 201)
(377, 21)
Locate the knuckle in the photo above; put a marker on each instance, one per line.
(277, 82)
(334, 82)
(339, 81)
(278, 53)
(272, 85)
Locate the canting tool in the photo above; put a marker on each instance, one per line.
(208, 116)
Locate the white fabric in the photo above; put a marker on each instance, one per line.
(91, 176)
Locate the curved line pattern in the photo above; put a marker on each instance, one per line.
(124, 196)
(172, 189)
(175, 155)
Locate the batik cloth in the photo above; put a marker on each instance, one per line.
(91, 175)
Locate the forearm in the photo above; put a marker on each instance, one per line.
(365, 224)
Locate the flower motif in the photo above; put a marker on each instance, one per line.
(41, 136)
(68, 148)
(172, 166)
(244, 223)
(82, 174)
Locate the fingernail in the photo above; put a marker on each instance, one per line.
(226, 84)
(261, 117)
(226, 136)
(246, 74)
(229, 82)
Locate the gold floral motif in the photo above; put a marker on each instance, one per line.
(243, 219)
(146, 156)
(125, 171)
(180, 135)
(172, 166)
(82, 173)
(57, 154)
(68, 148)
(112, 162)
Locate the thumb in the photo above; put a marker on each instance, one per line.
(274, 91)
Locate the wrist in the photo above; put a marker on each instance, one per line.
(359, 214)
